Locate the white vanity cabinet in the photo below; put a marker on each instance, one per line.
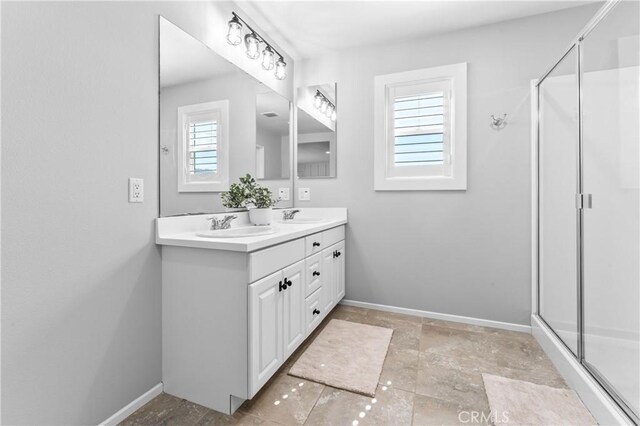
(286, 306)
(231, 318)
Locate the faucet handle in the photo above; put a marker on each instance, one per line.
(289, 214)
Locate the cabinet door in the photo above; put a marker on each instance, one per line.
(293, 307)
(339, 272)
(328, 277)
(265, 331)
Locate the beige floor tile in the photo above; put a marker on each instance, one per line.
(284, 401)
(338, 407)
(393, 316)
(239, 418)
(155, 411)
(429, 411)
(401, 368)
(188, 413)
(440, 377)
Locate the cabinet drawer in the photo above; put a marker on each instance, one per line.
(313, 271)
(332, 236)
(313, 244)
(272, 259)
(314, 312)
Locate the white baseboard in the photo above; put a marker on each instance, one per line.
(131, 408)
(602, 407)
(439, 316)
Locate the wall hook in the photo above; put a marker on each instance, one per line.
(498, 123)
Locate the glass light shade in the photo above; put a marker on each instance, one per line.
(323, 106)
(317, 100)
(234, 36)
(267, 58)
(334, 115)
(329, 111)
(253, 45)
(281, 69)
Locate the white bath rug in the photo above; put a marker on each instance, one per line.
(346, 355)
(516, 402)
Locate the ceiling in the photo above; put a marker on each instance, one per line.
(184, 59)
(314, 28)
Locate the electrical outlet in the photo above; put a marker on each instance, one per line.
(136, 190)
(304, 194)
(283, 194)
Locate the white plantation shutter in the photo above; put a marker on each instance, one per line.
(203, 152)
(420, 129)
(203, 146)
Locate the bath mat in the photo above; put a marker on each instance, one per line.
(515, 402)
(346, 355)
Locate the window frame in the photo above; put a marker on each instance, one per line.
(452, 174)
(205, 182)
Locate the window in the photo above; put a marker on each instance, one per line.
(203, 153)
(420, 129)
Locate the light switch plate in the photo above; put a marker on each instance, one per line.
(283, 194)
(136, 190)
(304, 194)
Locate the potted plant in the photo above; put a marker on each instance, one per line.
(239, 194)
(262, 200)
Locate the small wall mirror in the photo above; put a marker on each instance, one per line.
(317, 131)
(213, 117)
(272, 136)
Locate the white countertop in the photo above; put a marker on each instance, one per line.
(181, 230)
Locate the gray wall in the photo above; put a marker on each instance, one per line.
(81, 315)
(454, 252)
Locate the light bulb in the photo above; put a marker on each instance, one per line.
(281, 69)
(234, 36)
(267, 58)
(329, 111)
(317, 100)
(253, 44)
(334, 115)
(324, 105)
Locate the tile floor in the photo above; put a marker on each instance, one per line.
(432, 375)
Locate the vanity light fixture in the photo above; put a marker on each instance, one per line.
(252, 42)
(326, 107)
(234, 36)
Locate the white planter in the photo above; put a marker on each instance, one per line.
(260, 216)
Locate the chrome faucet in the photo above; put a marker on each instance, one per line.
(221, 223)
(289, 214)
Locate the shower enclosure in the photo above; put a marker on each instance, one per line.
(586, 190)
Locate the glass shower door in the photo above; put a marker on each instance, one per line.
(611, 246)
(557, 181)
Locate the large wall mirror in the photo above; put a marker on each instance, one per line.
(216, 123)
(317, 131)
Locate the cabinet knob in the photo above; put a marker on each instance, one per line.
(335, 254)
(338, 254)
(282, 287)
(316, 244)
(316, 312)
(287, 282)
(316, 273)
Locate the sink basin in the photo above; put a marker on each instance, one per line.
(245, 231)
(303, 220)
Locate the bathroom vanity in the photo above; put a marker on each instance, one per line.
(234, 309)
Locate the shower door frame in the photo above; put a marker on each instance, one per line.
(580, 206)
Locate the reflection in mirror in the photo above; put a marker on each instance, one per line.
(272, 136)
(208, 125)
(317, 135)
